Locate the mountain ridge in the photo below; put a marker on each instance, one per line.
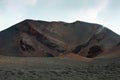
(49, 39)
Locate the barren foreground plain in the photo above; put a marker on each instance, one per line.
(58, 68)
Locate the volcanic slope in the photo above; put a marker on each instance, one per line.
(32, 38)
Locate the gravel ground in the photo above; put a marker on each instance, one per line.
(58, 69)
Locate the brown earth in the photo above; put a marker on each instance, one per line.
(40, 50)
(49, 39)
(58, 68)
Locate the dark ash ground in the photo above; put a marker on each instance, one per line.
(12, 68)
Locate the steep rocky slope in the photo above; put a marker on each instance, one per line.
(49, 39)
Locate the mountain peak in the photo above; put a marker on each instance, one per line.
(49, 39)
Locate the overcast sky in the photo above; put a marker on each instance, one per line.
(105, 12)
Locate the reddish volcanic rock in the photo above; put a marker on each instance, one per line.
(50, 39)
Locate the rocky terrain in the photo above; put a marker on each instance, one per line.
(34, 68)
(49, 39)
(40, 50)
